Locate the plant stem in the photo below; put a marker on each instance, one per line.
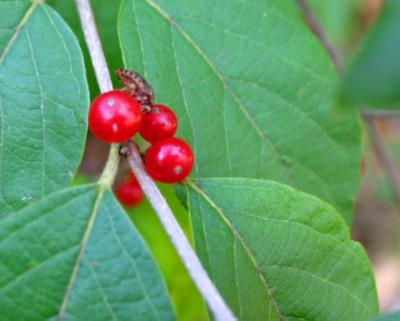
(94, 45)
(368, 115)
(199, 276)
(103, 80)
(110, 169)
(316, 27)
(379, 113)
(383, 157)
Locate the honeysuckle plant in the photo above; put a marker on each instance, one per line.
(270, 197)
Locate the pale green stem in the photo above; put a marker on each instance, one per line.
(110, 169)
(215, 302)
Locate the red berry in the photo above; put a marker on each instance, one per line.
(159, 123)
(129, 193)
(170, 160)
(115, 117)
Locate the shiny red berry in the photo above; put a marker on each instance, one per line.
(129, 193)
(170, 160)
(115, 117)
(159, 123)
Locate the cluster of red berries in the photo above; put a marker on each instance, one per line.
(116, 116)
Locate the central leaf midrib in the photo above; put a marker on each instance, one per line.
(221, 78)
(237, 236)
(19, 27)
(85, 239)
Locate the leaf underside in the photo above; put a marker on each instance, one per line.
(75, 255)
(253, 89)
(43, 103)
(278, 254)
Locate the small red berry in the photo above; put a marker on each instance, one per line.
(170, 160)
(115, 117)
(129, 193)
(159, 123)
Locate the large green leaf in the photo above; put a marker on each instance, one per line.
(395, 316)
(253, 90)
(75, 255)
(186, 299)
(374, 76)
(43, 103)
(279, 254)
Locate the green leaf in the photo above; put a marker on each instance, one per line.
(43, 103)
(279, 254)
(75, 255)
(374, 76)
(395, 316)
(11, 12)
(187, 300)
(106, 13)
(254, 92)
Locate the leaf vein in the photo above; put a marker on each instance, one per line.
(314, 276)
(85, 239)
(133, 262)
(262, 45)
(18, 29)
(236, 234)
(42, 110)
(185, 104)
(103, 295)
(221, 78)
(36, 267)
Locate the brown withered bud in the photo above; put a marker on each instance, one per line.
(136, 86)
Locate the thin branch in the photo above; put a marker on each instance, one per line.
(199, 276)
(368, 115)
(383, 157)
(94, 45)
(316, 27)
(379, 113)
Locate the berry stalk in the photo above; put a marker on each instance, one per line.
(200, 277)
